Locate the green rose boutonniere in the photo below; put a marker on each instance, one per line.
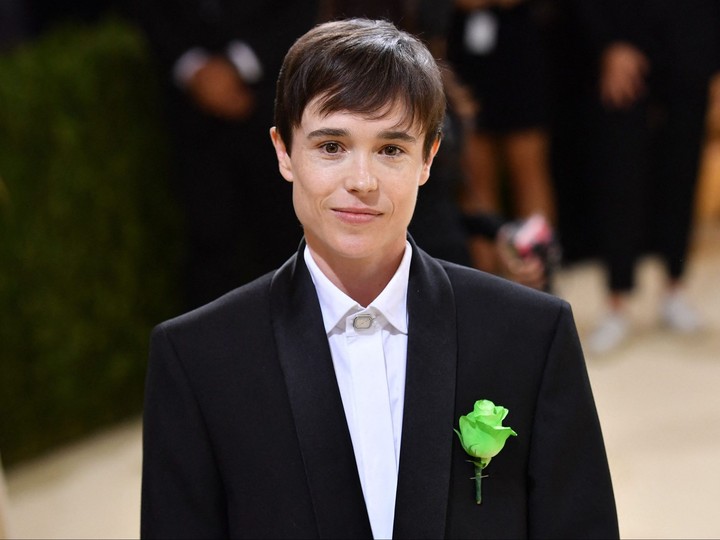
(482, 436)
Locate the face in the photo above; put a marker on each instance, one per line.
(355, 182)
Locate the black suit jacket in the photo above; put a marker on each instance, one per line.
(245, 434)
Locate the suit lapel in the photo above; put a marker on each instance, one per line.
(316, 405)
(425, 458)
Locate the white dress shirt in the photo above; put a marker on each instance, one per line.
(370, 369)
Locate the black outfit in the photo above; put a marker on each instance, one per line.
(245, 434)
(572, 77)
(508, 77)
(238, 209)
(643, 169)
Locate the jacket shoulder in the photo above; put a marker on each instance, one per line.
(473, 284)
(243, 307)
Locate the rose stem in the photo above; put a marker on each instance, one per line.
(478, 485)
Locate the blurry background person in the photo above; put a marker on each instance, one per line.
(220, 60)
(654, 60)
(495, 49)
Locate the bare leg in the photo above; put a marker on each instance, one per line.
(480, 193)
(527, 162)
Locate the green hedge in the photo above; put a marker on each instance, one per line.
(89, 233)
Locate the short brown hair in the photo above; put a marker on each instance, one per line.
(361, 66)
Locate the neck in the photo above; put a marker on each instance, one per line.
(361, 280)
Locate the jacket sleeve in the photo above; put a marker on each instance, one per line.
(182, 493)
(570, 489)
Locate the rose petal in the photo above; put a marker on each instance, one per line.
(481, 440)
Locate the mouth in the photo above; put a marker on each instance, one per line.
(356, 215)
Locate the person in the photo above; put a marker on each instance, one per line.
(496, 49)
(319, 400)
(654, 61)
(218, 62)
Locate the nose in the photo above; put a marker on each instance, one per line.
(360, 177)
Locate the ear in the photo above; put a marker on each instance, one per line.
(284, 161)
(425, 174)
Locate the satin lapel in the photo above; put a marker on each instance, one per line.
(425, 455)
(316, 404)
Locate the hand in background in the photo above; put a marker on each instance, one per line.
(622, 76)
(528, 251)
(218, 89)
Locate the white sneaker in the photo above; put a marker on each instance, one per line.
(610, 333)
(679, 315)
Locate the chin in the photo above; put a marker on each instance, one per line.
(362, 247)
(356, 250)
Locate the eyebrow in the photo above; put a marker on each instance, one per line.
(328, 132)
(392, 135)
(397, 135)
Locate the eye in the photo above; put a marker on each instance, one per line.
(392, 150)
(331, 147)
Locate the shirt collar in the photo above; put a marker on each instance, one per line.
(336, 305)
